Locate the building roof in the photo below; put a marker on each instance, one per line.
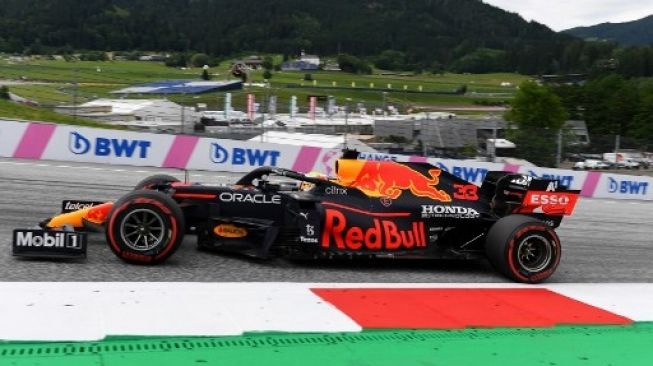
(502, 143)
(181, 87)
(126, 106)
(314, 140)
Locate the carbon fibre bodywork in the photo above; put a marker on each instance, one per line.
(371, 209)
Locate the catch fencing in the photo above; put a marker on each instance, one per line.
(44, 141)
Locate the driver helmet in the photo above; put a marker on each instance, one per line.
(307, 186)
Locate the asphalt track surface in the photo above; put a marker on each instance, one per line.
(604, 241)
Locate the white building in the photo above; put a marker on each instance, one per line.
(151, 114)
(311, 59)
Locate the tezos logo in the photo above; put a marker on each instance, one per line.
(78, 144)
(241, 156)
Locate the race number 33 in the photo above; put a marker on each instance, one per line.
(465, 192)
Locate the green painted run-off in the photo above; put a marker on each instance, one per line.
(565, 346)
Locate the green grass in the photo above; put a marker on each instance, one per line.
(24, 112)
(110, 72)
(562, 345)
(56, 93)
(488, 83)
(98, 79)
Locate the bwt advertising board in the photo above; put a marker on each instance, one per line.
(11, 134)
(569, 178)
(240, 156)
(70, 143)
(470, 171)
(108, 147)
(624, 187)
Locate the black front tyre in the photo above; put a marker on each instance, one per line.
(145, 227)
(524, 249)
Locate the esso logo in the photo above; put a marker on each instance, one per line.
(549, 199)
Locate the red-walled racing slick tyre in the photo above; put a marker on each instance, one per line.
(145, 227)
(523, 248)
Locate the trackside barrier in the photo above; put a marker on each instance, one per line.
(31, 140)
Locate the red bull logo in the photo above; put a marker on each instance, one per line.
(381, 235)
(390, 179)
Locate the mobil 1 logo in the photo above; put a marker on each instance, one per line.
(48, 244)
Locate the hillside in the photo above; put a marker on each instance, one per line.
(11, 110)
(461, 35)
(635, 33)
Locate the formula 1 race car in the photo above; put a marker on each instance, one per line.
(370, 209)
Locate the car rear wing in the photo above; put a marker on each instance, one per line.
(522, 194)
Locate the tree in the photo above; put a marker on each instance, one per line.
(177, 60)
(267, 75)
(468, 34)
(643, 122)
(199, 60)
(536, 106)
(482, 60)
(539, 116)
(4, 93)
(571, 97)
(391, 60)
(268, 63)
(610, 105)
(437, 68)
(93, 56)
(354, 65)
(35, 48)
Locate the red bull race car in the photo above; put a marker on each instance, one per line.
(370, 209)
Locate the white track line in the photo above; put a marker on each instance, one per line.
(90, 311)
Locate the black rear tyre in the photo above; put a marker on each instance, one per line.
(155, 180)
(524, 249)
(145, 227)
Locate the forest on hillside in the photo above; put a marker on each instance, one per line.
(636, 33)
(420, 35)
